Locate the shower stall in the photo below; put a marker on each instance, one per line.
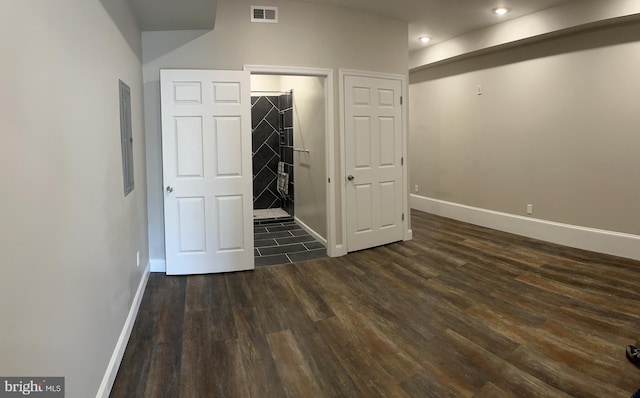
(272, 149)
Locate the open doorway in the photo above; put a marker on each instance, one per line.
(289, 130)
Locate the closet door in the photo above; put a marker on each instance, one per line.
(206, 149)
(373, 156)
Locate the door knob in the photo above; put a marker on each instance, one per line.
(169, 188)
(350, 177)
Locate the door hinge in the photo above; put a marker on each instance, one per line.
(329, 180)
(402, 216)
(402, 161)
(400, 100)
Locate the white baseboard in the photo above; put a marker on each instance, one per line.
(598, 240)
(311, 232)
(158, 265)
(121, 345)
(337, 251)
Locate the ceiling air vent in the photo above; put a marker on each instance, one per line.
(264, 14)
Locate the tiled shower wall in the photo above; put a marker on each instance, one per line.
(272, 141)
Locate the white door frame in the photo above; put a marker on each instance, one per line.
(333, 248)
(342, 73)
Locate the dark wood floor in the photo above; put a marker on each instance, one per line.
(460, 311)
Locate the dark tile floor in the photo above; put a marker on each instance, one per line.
(282, 241)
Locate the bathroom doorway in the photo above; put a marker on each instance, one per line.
(289, 166)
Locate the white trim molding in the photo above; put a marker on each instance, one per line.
(311, 232)
(118, 352)
(158, 265)
(341, 250)
(333, 249)
(597, 240)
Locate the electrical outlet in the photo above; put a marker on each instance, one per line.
(416, 189)
(138, 258)
(529, 209)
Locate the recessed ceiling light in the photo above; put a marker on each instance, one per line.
(425, 39)
(500, 10)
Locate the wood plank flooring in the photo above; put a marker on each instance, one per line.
(460, 311)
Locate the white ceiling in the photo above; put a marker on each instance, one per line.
(445, 19)
(438, 19)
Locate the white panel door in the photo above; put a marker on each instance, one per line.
(373, 155)
(206, 150)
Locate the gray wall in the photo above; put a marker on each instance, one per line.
(310, 168)
(308, 35)
(556, 126)
(69, 237)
